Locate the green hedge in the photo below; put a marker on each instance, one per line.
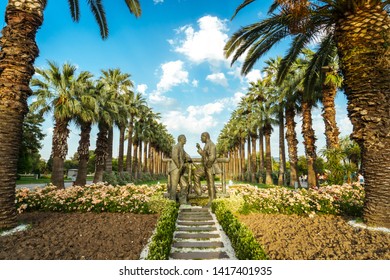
(160, 246)
(244, 243)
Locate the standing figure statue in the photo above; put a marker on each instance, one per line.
(177, 170)
(210, 167)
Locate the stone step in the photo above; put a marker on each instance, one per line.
(194, 244)
(196, 235)
(189, 223)
(200, 213)
(196, 229)
(199, 255)
(192, 210)
(194, 218)
(196, 214)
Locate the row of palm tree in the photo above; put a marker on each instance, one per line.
(358, 32)
(18, 51)
(107, 102)
(269, 103)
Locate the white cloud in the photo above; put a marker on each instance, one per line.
(253, 75)
(218, 78)
(195, 119)
(158, 1)
(206, 44)
(237, 98)
(142, 88)
(195, 83)
(157, 97)
(173, 75)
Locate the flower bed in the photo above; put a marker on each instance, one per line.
(339, 200)
(92, 198)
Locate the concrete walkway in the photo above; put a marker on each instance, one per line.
(31, 186)
(199, 236)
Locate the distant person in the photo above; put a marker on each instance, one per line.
(361, 179)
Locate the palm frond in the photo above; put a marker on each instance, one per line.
(240, 7)
(134, 7)
(74, 9)
(326, 52)
(100, 16)
(299, 42)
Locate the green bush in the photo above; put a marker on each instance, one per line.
(160, 246)
(244, 243)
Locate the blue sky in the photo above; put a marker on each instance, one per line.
(174, 55)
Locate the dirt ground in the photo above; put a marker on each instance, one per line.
(292, 237)
(62, 236)
(75, 236)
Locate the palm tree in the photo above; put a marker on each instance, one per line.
(88, 115)
(56, 93)
(18, 51)
(332, 81)
(135, 105)
(119, 84)
(271, 70)
(108, 111)
(362, 36)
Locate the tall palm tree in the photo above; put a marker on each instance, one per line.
(362, 36)
(135, 106)
(331, 83)
(119, 84)
(56, 93)
(271, 69)
(18, 51)
(87, 96)
(108, 112)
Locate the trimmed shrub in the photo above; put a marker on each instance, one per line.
(160, 246)
(244, 243)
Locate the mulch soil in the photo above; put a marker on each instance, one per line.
(122, 236)
(76, 236)
(323, 237)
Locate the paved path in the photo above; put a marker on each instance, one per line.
(31, 186)
(199, 236)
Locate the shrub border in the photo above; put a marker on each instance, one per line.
(160, 246)
(244, 243)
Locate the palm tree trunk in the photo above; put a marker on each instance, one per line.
(292, 144)
(135, 160)
(129, 161)
(282, 149)
(268, 157)
(59, 152)
(83, 151)
(110, 142)
(18, 51)
(243, 167)
(139, 163)
(248, 159)
(240, 165)
(261, 155)
(145, 169)
(309, 142)
(329, 114)
(121, 148)
(237, 163)
(101, 152)
(368, 92)
(253, 159)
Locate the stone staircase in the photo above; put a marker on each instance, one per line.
(199, 236)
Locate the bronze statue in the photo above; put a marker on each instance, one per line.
(177, 170)
(210, 167)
